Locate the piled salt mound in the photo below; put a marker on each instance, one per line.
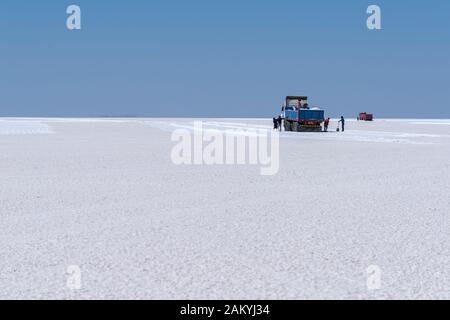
(14, 127)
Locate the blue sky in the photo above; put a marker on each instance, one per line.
(227, 58)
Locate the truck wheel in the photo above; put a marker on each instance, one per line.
(287, 125)
(295, 126)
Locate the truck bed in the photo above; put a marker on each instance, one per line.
(305, 115)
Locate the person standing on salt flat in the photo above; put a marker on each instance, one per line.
(326, 124)
(343, 123)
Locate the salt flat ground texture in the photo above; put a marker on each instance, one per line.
(104, 195)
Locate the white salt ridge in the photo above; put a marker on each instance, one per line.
(17, 127)
(432, 123)
(348, 135)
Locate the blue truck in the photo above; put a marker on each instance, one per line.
(299, 117)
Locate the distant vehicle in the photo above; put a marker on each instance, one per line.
(364, 116)
(299, 117)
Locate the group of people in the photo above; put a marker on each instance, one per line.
(277, 124)
(302, 105)
(341, 123)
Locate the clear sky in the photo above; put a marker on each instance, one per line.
(224, 58)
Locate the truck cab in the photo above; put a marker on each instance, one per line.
(364, 116)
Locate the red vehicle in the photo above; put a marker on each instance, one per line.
(364, 116)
